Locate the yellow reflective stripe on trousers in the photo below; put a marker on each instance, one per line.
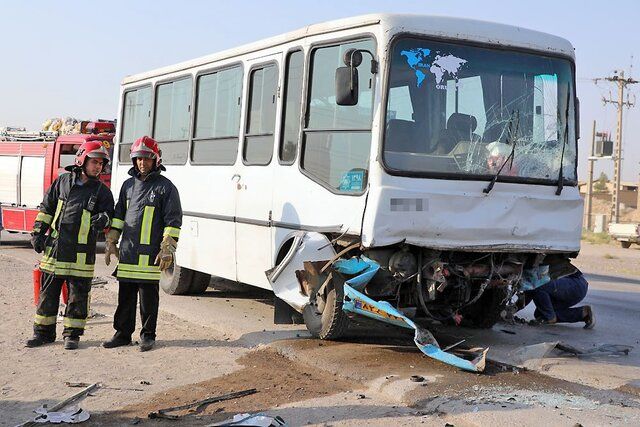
(45, 320)
(43, 217)
(70, 322)
(85, 224)
(58, 210)
(171, 231)
(117, 223)
(140, 271)
(147, 220)
(80, 268)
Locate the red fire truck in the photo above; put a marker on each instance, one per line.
(28, 168)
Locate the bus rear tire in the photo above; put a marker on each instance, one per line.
(332, 323)
(176, 280)
(625, 245)
(199, 283)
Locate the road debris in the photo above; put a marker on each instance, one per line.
(102, 386)
(604, 349)
(417, 378)
(199, 405)
(356, 302)
(256, 420)
(73, 415)
(57, 407)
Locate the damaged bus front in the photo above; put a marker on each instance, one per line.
(471, 195)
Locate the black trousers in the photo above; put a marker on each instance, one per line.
(76, 312)
(124, 321)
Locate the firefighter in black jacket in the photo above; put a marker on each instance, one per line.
(75, 208)
(148, 217)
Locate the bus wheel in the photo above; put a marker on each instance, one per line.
(625, 245)
(176, 280)
(324, 316)
(485, 312)
(199, 283)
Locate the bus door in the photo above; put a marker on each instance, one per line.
(254, 174)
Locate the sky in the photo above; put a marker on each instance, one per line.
(68, 58)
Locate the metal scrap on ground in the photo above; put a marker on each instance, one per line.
(200, 405)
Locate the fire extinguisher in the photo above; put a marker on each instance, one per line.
(37, 282)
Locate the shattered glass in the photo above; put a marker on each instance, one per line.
(457, 109)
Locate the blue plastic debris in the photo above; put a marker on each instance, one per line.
(356, 302)
(363, 267)
(535, 277)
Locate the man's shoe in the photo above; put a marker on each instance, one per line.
(38, 340)
(71, 343)
(147, 344)
(589, 318)
(116, 342)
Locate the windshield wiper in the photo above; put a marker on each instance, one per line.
(564, 144)
(512, 139)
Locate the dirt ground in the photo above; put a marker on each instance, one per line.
(364, 379)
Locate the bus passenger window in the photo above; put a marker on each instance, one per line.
(217, 117)
(172, 119)
(292, 107)
(136, 120)
(261, 117)
(337, 139)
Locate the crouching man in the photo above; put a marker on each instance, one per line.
(147, 223)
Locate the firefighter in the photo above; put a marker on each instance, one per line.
(75, 208)
(147, 217)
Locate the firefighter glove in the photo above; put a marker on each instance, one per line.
(99, 221)
(111, 245)
(165, 257)
(38, 241)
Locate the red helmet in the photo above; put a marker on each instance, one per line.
(93, 150)
(146, 147)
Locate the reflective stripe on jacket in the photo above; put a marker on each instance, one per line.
(146, 211)
(65, 213)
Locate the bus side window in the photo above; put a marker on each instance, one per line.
(136, 120)
(261, 117)
(172, 120)
(337, 139)
(292, 107)
(217, 117)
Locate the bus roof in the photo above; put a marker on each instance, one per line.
(436, 26)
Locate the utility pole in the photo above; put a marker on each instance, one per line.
(592, 160)
(622, 83)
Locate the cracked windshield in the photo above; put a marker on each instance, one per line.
(458, 109)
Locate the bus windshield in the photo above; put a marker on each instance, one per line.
(456, 109)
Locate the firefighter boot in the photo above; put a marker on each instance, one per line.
(147, 344)
(116, 341)
(38, 340)
(71, 343)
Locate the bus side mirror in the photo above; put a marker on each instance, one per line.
(347, 86)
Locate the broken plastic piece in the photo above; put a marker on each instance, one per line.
(257, 420)
(356, 302)
(70, 416)
(362, 266)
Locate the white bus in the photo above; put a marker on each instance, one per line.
(443, 150)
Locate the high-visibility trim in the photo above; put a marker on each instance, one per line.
(45, 320)
(172, 231)
(147, 220)
(80, 268)
(70, 322)
(57, 214)
(117, 223)
(43, 217)
(85, 226)
(142, 270)
(54, 233)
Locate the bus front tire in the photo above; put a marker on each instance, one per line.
(176, 280)
(332, 323)
(625, 245)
